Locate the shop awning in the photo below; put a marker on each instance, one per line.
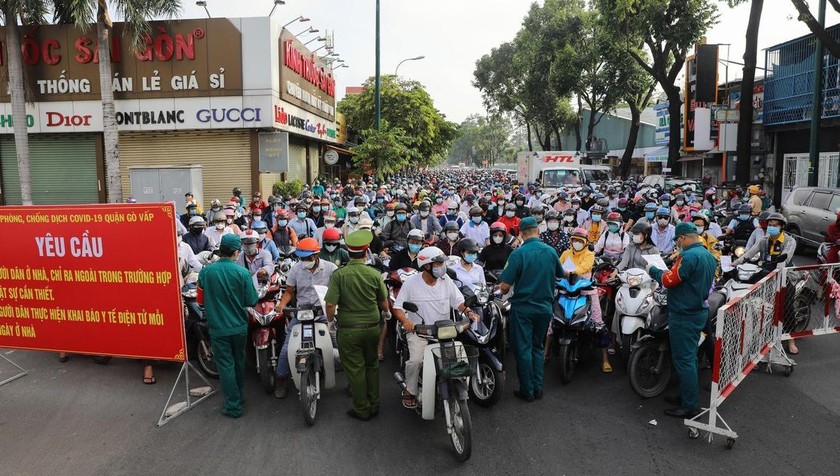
(340, 150)
(690, 158)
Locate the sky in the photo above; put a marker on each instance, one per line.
(453, 34)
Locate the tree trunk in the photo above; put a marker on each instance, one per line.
(635, 124)
(675, 139)
(547, 145)
(742, 169)
(17, 90)
(557, 133)
(590, 129)
(110, 134)
(530, 144)
(578, 120)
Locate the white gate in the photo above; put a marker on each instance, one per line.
(829, 164)
(794, 173)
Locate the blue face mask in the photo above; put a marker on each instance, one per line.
(665, 203)
(614, 228)
(621, 209)
(413, 247)
(774, 230)
(316, 209)
(470, 257)
(743, 217)
(380, 200)
(680, 203)
(476, 220)
(596, 218)
(301, 215)
(649, 215)
(400, 216)
(282, 223)
(193, 211)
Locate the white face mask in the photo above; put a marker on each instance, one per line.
(577, 245)
(568, 219)
(452, 236)
(700, 229)
(229, 221)
(638, 239)
(390, 213)
(553, 225)
(329, 224)
(424, 214)
(510, 214)
(498, 239)
(575, 206)
(330, 248)
(354, 219)
(308, 264)
(220, 226)
(662, 221)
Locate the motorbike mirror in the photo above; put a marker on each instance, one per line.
(591, 247)
(824, 233)
(410, 306)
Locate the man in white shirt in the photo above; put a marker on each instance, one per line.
(218, 229)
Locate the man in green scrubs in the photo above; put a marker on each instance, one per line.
(226, 290)
(532, 269)
(356, 289)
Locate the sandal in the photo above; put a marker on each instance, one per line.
(409, 401)
(606, 368)
(63, 357)
(149, 380)
(792, 349)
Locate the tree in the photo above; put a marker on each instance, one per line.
(135, 14)
(482, 138)
(818, 30)
(667, 29)
(637, 87)
(409, 111)
(384, 151)
(29, 12)
(744, 151)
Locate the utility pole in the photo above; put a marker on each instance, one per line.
(816, 106)
(378, 82)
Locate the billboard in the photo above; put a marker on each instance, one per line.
(306, 81)
(92, 279)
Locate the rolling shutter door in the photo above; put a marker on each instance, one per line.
(297, 161)
(225, 157)
(62, 168)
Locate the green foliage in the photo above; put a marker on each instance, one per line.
(384, 152)
(291, 188)
(410, 113)
(482, 138)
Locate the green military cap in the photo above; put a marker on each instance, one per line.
(231, 242)
(685, 228)
(359, 240)
(528, 223)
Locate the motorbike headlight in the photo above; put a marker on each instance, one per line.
(634, 281)
(447, 332)
(190, 293)
(306, 316)
(739, 251)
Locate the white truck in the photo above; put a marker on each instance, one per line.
(556, 169)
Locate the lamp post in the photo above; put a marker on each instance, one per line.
(203, 3)
(816, 106)
(276, 4)
(301, 18)
(416, 58)
(377, 89)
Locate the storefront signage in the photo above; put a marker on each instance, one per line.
(330, 157)
(697, 116)
(293, 119)
(305, 80)
(186, 58)
(663, 124)
(71, 287)
(274, 151)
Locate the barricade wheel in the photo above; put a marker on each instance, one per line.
(730, 442)
(693, 433)
(788, 370)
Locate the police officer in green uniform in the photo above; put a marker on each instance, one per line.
(688, 282)
(226, 290)
(531, 269)
(356, 289)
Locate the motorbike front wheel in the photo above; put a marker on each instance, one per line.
(489, 391)
(567, 363)
(649, 370)
(266, 372)
(309, 395)
(206, 361)
(461, 423)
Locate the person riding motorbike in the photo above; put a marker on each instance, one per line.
(215, 206)
(434, 293)
(594, 226)
(554, 236)
(265, 243)
(701, 221)
(451, 236)
(476, 228)
(742, 226)
(538, 212)
(614, 240)
(640, 245)
(282, 234)
(254, 259)
(395, 233)
(510, 220)
(331, 250)
(467, 270)
(760, 231)
(218, 230)
(407, 257)
(195, 237)
(495, 255)
(681, 210)
(663, 231)
(192, 210)
(303, 225)
(329, 222)
(425, 222)
(317, 214)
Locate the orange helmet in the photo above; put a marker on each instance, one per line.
(307, 247)
(331, 235)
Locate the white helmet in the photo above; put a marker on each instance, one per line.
(432, 254)
(415, 234)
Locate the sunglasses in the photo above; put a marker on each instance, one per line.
(309, 258)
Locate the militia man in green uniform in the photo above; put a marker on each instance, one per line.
(226, 290)
(356, 289)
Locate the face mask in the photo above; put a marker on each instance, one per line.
(424, 214)
(329, 224)
(649, 215)
(476, 220)
(438, 200)
(250, 250)
(501, 203)
(330, 248)
(452, 236)
(301, 215)
(519, 203)
(380, 200)
(613, 228)
(662, 221)
(568, 219)
(575, 206)
(744, 217)
(389, 213)
(539, 218)
(680, 203)
(638, 239)
(596, 218)
(193, 212)
(510, 214)
(308, 264)
(577, 245)
(316, 209)
(584, 194)
(220, 226)
(439, 272)
(470, 257)
(196, 231)
(262, 236)
(553, 225)
(256, 199)
(401, 217)
(354, 220)
(229, 221)
(498, 239)
(665, 203)
(700, 228)
(414, 248)
(282, 223)
(257, 217)
(774, 230)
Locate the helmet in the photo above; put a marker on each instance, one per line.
(763, 216)
(237, 191)
(415, 234)
(215, 203)
(753, 189)
(665, 196)
(130, 199)
(614, 217)
(680, 196)
(510, 206)
(708, 214)
(191, 204)
(476, 211)
(575, 199)
(700, 216)
(196, 221)
(663, 212)
(562, 195)
(259, 226)
(307, 247)
(603, 202)
(400, 207)
(580, 233)
(551, 215)
(429, 255)
(331, 235)
(389, 206)
(745, 208)
(641, 227)
(777, 217)
(650, 207)
(257, 195)
(220, 216)
(597, 209)
(249, 237)
(622, 202)
(499, 226)
(710, 191)
(451, 225)
(468, 244)
(585, 189)
(537, 209)
(283, 214)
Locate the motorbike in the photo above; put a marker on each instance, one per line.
(633, 303)
(195, 324)
(447, 368)
(486, 335)
(267, 329)
(607, 286)
(312, 355)
(394, 281)
(573, 331)
(650, 357)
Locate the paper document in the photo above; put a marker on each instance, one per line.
(655, 261)
(569, 266)
(725, 263)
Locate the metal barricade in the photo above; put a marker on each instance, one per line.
(811, 296)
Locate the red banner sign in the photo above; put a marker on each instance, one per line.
(91, 279)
